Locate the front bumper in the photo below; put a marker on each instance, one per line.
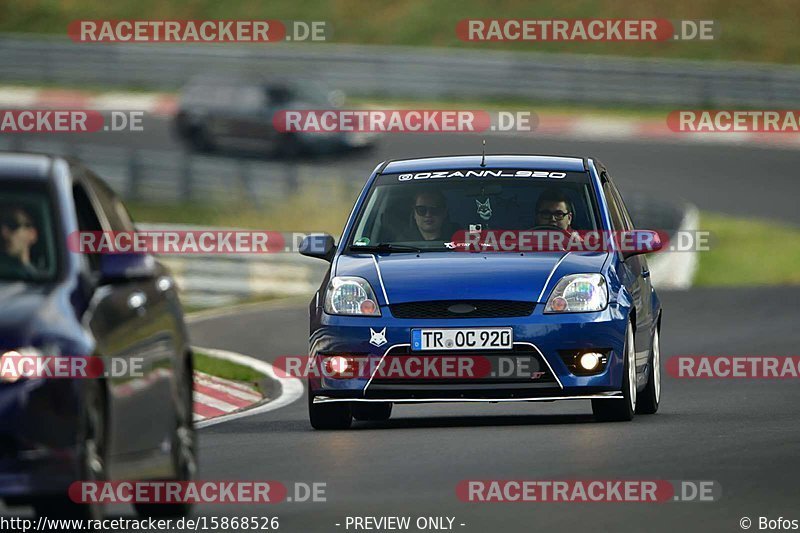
(546, 338)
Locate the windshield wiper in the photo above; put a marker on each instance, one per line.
(385, 247)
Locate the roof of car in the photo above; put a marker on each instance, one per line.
(20, 165)
(533, 162)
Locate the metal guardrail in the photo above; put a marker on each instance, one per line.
(164, 176)
(407, 71)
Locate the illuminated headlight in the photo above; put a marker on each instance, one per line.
(10, 363)
(348, 295)
(578, 293)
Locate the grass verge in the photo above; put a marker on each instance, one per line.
(748, 251)
(221, 368)
(757, 31)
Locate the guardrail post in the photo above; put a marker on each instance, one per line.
(134, 175)
(291, 178)
(186, 177)
(246, 179)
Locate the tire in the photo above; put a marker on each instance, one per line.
(372, 411)
(616, 410)
(336, 415)
(200, 140)
(287, 147)
(184, 450)
(650, 397)
(92, 458)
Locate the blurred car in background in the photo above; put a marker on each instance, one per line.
(237, 112)
(122, 308)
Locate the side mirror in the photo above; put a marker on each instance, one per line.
(639, 241)
(115, 268)
(321, 246)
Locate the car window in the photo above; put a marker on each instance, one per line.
(613, 209)
(429, 213)
(88, 219)
(115, 212)
(626, 217)
(251, 97)
(279, 95)
(28, 245)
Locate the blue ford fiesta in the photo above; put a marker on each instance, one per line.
(542, 324)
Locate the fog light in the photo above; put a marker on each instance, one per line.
(590, 361)
(338, 366)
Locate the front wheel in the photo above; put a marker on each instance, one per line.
(92, 458)
(184, 448)
(335, 415)
(616, 409)
(651, 395)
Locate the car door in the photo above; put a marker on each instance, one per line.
(630, 273)
(125, 319)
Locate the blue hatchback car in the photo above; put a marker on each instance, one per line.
(131, 423)
(409, 312)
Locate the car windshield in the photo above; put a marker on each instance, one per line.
(28, 249)
(425, 210)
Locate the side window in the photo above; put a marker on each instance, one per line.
(613, 209)
(117, 215)
(87, 219)
(626, 217)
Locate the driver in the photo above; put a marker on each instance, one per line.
(18, 234)
(554, 208)
(430, 218)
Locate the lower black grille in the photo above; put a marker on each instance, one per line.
(462, 309)
(522, 366)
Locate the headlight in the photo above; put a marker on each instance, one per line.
(578, 293)
(348, 295)
(10, 363)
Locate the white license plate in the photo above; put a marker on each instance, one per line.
(462, 339)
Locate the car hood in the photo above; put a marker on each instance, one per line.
(34, 314)
(409, 277)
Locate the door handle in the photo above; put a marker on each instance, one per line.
(137, 300)
(645, 273)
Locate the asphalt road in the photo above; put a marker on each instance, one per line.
(741, 434)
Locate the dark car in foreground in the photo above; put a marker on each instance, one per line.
(403, 299)
(122, 309)
(237, 112)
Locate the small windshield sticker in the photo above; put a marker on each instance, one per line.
(363, 241)
(484, 209)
